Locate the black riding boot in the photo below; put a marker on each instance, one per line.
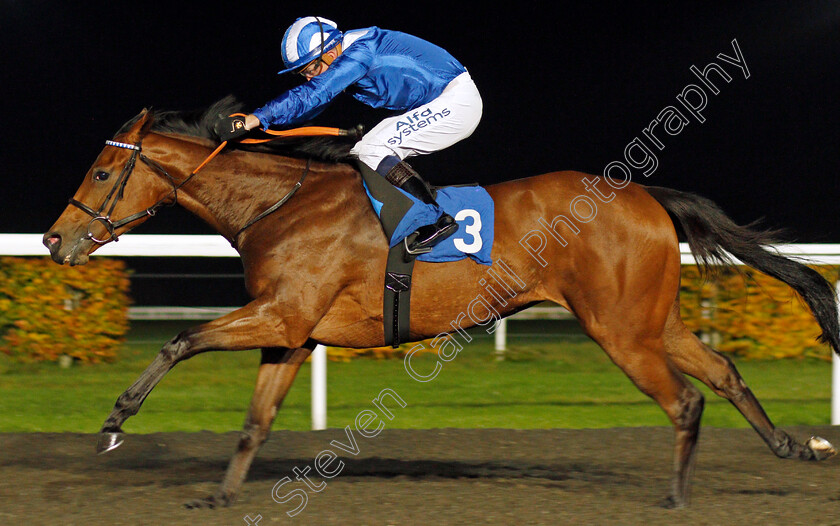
(403, 176)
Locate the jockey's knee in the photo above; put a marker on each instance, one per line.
(376, 156)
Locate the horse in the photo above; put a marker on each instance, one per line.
(314, 270)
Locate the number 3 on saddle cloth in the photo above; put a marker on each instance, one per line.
(472, 208)
(400, 215)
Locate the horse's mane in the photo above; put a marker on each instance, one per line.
(199, 123)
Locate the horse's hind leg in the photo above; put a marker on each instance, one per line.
(647, 365)
(697, 359)
(278, 369)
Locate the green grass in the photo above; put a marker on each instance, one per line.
(564, 381)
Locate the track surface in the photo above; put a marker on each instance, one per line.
(441, 476)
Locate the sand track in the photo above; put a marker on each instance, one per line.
(442, 476)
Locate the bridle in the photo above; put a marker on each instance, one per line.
(103, 217)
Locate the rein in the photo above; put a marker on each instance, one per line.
(117, 191)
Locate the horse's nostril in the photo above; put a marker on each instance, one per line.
(52, 240)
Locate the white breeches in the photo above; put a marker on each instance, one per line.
(444, 121)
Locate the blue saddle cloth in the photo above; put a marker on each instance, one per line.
(472, 208)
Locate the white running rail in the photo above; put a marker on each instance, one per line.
(147, 245)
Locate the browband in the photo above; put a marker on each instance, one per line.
(123, 145)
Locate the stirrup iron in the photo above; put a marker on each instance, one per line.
(416, 251)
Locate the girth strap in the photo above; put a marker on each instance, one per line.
(396, 308)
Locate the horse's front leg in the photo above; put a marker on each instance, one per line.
(254, 325)
(278, 369)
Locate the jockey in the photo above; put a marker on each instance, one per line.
(436, 101)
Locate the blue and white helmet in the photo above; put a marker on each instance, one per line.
(307, 39)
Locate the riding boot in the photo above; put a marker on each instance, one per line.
(406, 178)
(393, 203)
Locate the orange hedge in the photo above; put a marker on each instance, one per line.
(48, 310)
(341, 354)
(753, 316)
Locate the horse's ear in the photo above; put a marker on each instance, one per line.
(142, 124)
(146, 118)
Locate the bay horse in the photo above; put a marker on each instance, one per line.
(314, 269)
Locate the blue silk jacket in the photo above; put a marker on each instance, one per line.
(381, 68)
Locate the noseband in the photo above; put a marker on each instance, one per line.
(104, 218)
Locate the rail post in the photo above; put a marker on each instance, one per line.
(319, 388)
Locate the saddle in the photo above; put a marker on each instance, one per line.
(400, 215)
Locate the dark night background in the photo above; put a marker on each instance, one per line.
(564, 87)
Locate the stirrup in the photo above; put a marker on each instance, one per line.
(414, 252)
(416, 248)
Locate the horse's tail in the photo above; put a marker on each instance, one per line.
(714, 238)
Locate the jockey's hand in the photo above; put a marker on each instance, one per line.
(233, 126)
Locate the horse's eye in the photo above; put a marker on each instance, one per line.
(101, 176)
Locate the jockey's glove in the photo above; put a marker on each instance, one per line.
(231, 127)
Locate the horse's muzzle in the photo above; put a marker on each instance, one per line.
(77, 254)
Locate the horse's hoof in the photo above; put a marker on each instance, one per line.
(821, 447)
(672, 503)
(108, 441)
(198, 504)
(211, 502)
